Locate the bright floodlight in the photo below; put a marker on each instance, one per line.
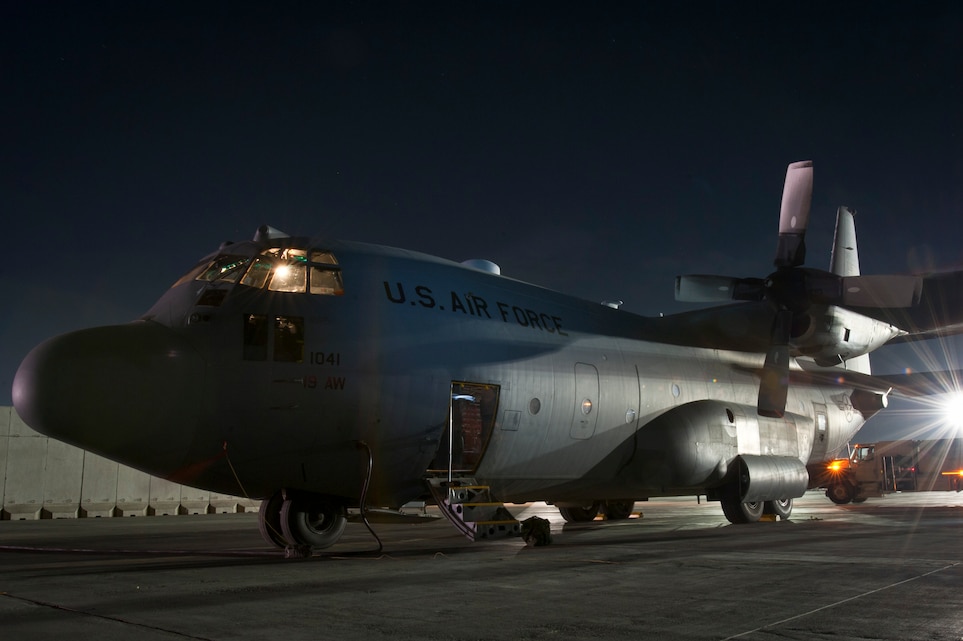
(953, 410)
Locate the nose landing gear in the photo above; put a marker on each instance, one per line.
(292, 519)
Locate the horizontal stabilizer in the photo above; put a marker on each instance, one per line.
(911, 384)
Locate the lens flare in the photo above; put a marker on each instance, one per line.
(953, 410)
(938, 414)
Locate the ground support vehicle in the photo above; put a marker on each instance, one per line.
(876, 469)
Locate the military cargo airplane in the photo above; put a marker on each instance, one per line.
(325, 377)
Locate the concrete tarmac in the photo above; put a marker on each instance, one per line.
(890, 568)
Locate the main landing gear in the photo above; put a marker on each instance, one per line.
(613, 511)
(754, 476)
(737, 511)
(293, 519)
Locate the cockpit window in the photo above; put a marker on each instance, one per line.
(289, 277)
(278, 269)
(326, 281)
(325, 274)
(326, 258)
(259, 272)
(296, 270)
(225, 268)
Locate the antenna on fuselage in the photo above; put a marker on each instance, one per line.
(266, 232)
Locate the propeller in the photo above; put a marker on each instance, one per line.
(792, 289)
(797, 196)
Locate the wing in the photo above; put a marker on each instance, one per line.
(741, 327)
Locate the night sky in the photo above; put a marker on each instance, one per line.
(598, 149)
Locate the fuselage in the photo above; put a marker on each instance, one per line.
(242, 382)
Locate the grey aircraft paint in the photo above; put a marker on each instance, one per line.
(326, 375)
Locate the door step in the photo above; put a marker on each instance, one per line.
(472, 510)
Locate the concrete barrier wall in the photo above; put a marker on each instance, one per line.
(42, 478)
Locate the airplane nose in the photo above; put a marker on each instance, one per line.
(129, 392)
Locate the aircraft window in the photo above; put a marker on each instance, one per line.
(288, 339)
(289, 270)
(326, 258)
(287, 254)
(255, 337)
(326, 281)
(291, 277)
(227, 268)
(258, 273)
(821, 422)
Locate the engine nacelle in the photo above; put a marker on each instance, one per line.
(769, 478)
(696, 445)
(834, 334)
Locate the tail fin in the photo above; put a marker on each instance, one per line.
(845, 262)
(845, 257)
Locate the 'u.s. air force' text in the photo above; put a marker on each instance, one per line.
(473, 305)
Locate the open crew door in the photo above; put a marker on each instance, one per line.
(463, 500)
(471, 417)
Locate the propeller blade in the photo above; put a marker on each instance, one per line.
(882, 291)
(774, 381)
(700, 288)
(794, 214)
